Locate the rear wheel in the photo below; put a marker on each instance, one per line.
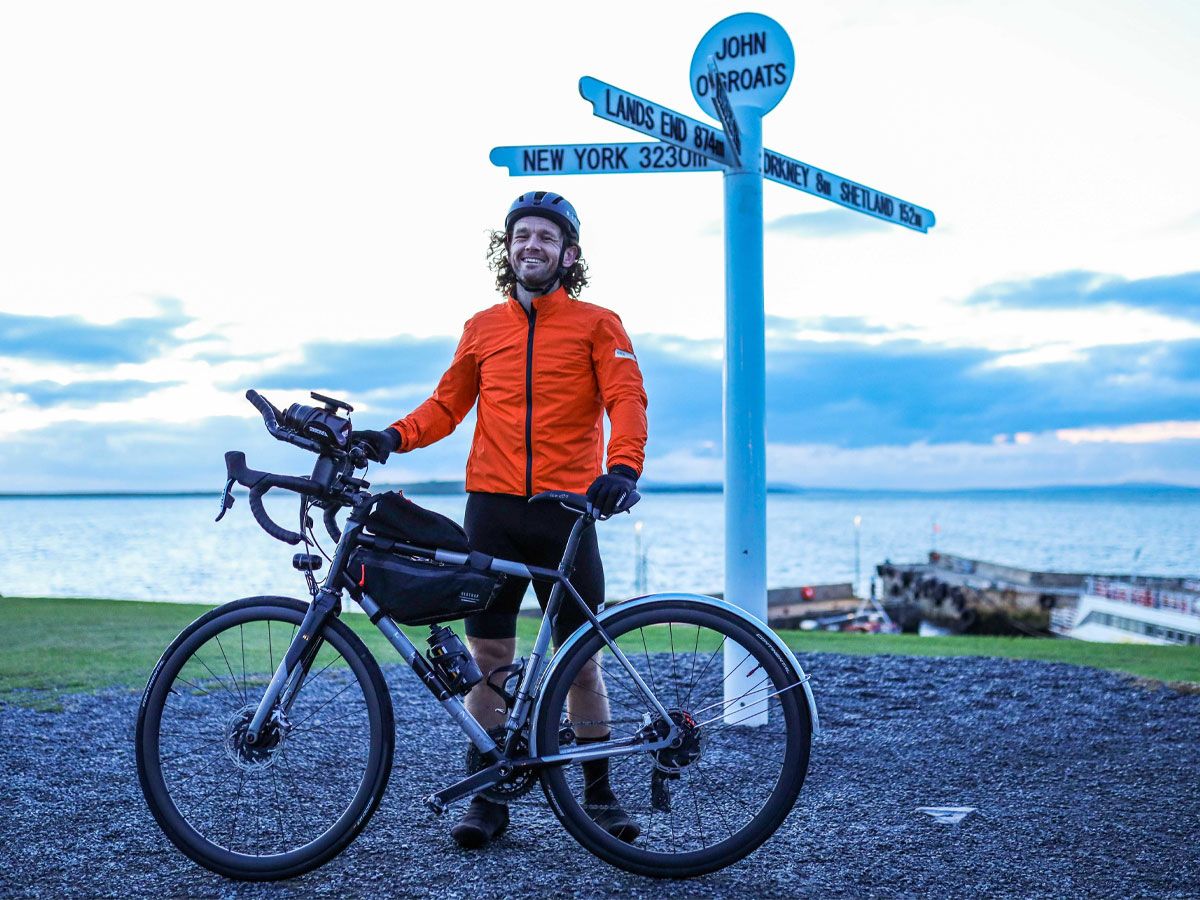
(732, 779)
(298, 795)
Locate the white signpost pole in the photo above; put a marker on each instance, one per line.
(741, 69)
(745, 406)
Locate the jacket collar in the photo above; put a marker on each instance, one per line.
(544, 304)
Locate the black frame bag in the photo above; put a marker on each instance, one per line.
(397, 517)
(420, 591)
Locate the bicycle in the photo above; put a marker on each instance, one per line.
(265, 735)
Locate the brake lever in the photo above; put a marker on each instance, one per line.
(227, 499)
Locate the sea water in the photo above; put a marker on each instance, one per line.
(169, 548)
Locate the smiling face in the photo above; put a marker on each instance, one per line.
(534, 247)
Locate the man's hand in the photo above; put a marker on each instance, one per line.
(381, 443)
(608, 492)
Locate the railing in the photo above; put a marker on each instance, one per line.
(1144, 595)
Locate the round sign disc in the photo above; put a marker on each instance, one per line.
(754, 60)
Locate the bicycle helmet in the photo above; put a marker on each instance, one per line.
(549, 205)
(558, 210)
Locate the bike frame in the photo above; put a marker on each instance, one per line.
(294, 666)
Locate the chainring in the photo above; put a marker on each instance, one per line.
(516, 785)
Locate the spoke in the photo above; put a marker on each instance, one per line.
(754, 690)
(609, 697)
(245, 679)
(287, 841)
(614, 676)
(232, 677)
(198, 747)
(194, 686)
(692, 676)
(219, 679)
(324, 726)
(674, 674)
(720, 807)
(198, 772)
(649, 665)
(765, 699)
(237, 807)
(720, 647)
(325, 704)
(699, 824)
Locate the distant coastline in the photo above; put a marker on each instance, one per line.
(457, 487)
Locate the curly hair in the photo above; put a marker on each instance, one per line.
(575, 279)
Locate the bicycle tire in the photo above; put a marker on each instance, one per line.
(212, 718)
(653, 853)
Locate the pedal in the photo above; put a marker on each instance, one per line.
(435, 805)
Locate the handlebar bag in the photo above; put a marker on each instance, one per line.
(420, 591)
(395, 516)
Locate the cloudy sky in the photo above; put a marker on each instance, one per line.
(196, 199)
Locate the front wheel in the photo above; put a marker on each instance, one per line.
(295, 798)
(742, 753)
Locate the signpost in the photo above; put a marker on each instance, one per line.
(740, 70)
(601, 159)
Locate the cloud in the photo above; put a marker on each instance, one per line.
(848, 394)
(355, 367)
(1039, 461)
(1174, 295)
(150, 456)
(71, 339)
(827, 223)
(847, 325)
(46, 394)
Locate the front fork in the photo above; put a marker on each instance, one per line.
(296, 662)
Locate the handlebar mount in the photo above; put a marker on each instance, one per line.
(320, 431)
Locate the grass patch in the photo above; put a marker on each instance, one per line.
(1170, 664)
(57, 646)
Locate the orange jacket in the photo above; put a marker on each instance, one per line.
(543, 382)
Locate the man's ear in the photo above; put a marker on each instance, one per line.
(571, 256)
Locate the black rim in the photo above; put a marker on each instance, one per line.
(729, 784)
(297, 792)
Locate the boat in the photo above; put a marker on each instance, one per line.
(957, 594)
(1132, 612)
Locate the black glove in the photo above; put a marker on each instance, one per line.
(381, 443)
(608, 492)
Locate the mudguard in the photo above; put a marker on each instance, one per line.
(628, 605)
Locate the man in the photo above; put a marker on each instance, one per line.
(544, 368)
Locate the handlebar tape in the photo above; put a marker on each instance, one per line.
(261, 482)
(269, 413)
(264, 520)
(331, 524)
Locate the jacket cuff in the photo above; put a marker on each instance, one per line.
(624, 471)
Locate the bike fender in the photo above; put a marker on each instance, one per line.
(621, 608)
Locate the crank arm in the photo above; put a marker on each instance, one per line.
(481, 780)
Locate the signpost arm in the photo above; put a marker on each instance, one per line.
(744, 413)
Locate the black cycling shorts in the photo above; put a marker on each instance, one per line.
(510, 527)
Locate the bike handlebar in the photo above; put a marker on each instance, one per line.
(271, 417)
(261, 482)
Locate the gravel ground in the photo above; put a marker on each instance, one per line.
(1087, 783)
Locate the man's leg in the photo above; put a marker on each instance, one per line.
(587, 702)
(491, 636)
(587, 698)
(490, 653)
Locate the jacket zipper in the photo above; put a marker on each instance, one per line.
(532, 315)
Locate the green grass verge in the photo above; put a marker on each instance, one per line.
(56, 646)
